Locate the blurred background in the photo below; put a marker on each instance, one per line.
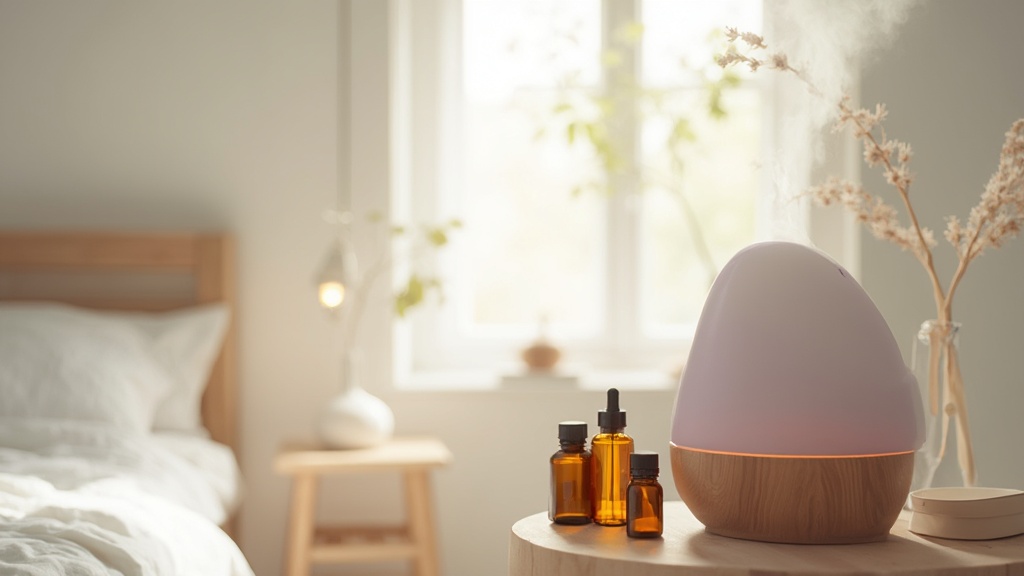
(596, 224)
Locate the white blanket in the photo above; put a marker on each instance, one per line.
(83, 499)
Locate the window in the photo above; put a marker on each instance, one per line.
(599, 194)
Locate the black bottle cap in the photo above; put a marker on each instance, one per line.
(643, 462)
(612, 417)
(572, 431)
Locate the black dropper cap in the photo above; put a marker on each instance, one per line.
(612, 417)
(572, 431)
(643, 463)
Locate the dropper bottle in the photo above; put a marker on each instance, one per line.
(610, 450)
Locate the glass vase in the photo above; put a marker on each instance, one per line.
(936, 364)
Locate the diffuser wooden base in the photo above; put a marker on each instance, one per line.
(840, 500)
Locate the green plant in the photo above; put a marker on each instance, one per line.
(587, 118)
(417, 286)
(413, 291)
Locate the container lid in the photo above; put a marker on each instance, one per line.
(643, 462)
(968, 502)
(572, 431)
(967, 513)
(792, 358)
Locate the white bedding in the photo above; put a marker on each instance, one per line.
(85, 498)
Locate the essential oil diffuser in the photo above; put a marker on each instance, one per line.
(796, 419)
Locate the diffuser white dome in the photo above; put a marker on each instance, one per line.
(796, 419)
(791, 357)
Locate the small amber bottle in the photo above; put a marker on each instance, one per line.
(570, 476)
(644, 497)
(610, 451)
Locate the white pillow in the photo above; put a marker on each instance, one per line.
(185, 343)
(180, 345)
(60, 362)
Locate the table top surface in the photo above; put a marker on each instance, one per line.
(539, 547)
(396, 453)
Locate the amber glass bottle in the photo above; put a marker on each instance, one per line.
(570, 476)
(610, 450)
(644, 497)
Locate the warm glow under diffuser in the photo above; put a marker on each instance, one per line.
(796, 419)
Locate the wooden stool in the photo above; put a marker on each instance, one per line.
(311, 544)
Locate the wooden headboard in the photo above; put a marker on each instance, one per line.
(122, 271)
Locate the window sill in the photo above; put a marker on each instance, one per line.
(446, 381)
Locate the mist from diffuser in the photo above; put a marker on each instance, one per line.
(353, 418)
(794, 387)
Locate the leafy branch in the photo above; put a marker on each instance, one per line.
(414, 290)
(588, 119)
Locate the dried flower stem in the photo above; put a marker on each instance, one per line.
(998, 216)
(922, 251)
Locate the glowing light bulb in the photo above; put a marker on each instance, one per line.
(331, 294)
(338, 274)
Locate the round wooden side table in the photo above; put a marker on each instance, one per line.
(540, 548)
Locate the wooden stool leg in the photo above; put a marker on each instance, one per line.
(420, 514)
(300, 532)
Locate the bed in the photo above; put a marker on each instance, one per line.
(118, 426)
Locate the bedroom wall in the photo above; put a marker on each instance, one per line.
(953, 88)
(224, 115)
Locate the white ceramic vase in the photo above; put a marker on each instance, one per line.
(355, 418)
